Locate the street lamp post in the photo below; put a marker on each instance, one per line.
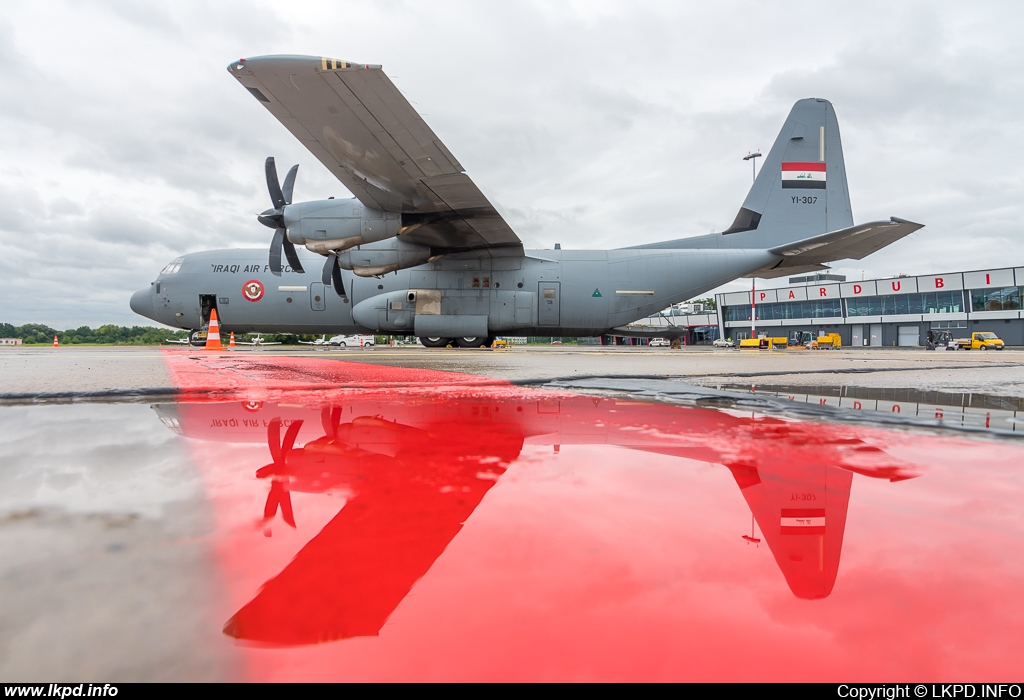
(752, 157)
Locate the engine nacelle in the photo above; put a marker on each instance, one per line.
(386, 256)
(338, 224)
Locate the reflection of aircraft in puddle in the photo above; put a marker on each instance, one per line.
(415, 467)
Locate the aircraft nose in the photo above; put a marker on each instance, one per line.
(142, 303)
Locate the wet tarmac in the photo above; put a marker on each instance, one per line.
(545, 514)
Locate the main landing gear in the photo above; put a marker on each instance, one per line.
(472, 342)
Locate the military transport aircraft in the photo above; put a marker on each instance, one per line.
(420, 251)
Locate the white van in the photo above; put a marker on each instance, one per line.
(352, 341)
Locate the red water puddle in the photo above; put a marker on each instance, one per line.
(203, 372)
(460, 532)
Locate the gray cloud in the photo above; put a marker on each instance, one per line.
(592, 125)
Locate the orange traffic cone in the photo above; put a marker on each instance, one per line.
(231, 343)
(55, 343)
(213, 333)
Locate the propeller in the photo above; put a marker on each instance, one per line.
(280, 197)
(330, 419)
(332, 273)
(279, 496)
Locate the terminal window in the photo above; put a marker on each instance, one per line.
(920, 303)
(1001, 299)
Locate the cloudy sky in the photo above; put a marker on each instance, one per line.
(591, 124)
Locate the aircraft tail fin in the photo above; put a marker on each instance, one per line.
(801, 189)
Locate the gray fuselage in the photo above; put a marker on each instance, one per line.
(544, 292)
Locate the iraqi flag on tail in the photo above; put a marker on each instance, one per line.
(802, 521)
(806, 176)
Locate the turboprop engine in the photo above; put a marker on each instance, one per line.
(335, 225)
(383, 257)
(327, 227)
(344, 230)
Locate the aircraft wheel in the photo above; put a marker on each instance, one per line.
(435, 342)
(473, 342)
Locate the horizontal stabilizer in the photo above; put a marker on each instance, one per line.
(854, 243)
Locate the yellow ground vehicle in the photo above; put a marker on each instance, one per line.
(763, 343)
(805, 339)
(829, 340)
(981, 340)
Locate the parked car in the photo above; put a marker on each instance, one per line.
(723, 343)
(660, 342)
(352, 341)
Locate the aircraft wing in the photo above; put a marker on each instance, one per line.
(854, 243)
(360, 126)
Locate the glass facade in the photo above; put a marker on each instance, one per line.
(1002, 299)
(822, 308)
(891, 304)
(884, 305)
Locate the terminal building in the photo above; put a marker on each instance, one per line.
(897, 311)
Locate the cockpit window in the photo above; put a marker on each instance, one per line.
(172, 267)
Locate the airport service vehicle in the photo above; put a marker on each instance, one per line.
(982, 340)
(764, 343)
(831, 341)
(806, 339)
(660, 342)
(419, 250)
(941, 340)
(352, 341)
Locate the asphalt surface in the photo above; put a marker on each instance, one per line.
(104, 526)
(27, 373)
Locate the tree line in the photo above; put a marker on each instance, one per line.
(37, 333)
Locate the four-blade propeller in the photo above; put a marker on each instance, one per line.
(279, 497)
(280, 196)
(332, 273)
